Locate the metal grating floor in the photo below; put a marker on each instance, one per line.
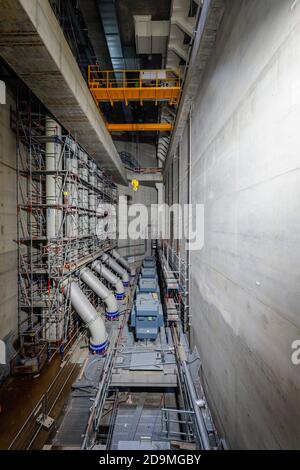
(132, 427)
(71, 431)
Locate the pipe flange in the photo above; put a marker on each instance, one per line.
(99, 349)
(120, 296)
(111, 316)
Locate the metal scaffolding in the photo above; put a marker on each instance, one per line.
(175, 280)
(66, 218)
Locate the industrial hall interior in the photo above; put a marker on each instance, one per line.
(149, 225)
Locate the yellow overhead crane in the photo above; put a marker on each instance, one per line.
(134, 85)
(111, 86)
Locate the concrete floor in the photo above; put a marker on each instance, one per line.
(20, 395)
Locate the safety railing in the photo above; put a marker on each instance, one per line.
(98, 78)
(134, 85)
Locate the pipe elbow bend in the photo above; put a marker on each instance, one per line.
(112, 311)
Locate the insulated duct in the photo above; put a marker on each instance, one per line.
(88, 314)
(116, 268)
(103, 293)
(123, 262)
(111, 278)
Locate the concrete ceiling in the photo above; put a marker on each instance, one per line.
(33, 44)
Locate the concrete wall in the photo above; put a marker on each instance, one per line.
(8, 223)
(145, 154)
(145, 196)
(246, 170)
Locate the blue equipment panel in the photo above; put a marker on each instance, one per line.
(149, 273)
(147, 285)
(149, 262)
(147, 316)
(150, 258)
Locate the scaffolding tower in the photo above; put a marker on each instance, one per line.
(66, 218)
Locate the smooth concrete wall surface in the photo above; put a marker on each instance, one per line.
(145, 154)
(145, 196)
(8, 224)
(183, 186)
(246, 170)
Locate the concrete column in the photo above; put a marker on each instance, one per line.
(160, 193)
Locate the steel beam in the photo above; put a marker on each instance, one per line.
(159, 126)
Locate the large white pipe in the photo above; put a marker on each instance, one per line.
(53, 191)
(71, 197)
(92, 198)
(117, 268)
(102, 291)
(114, 280)
(83, 195)
(89, 315)
(123, 262)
